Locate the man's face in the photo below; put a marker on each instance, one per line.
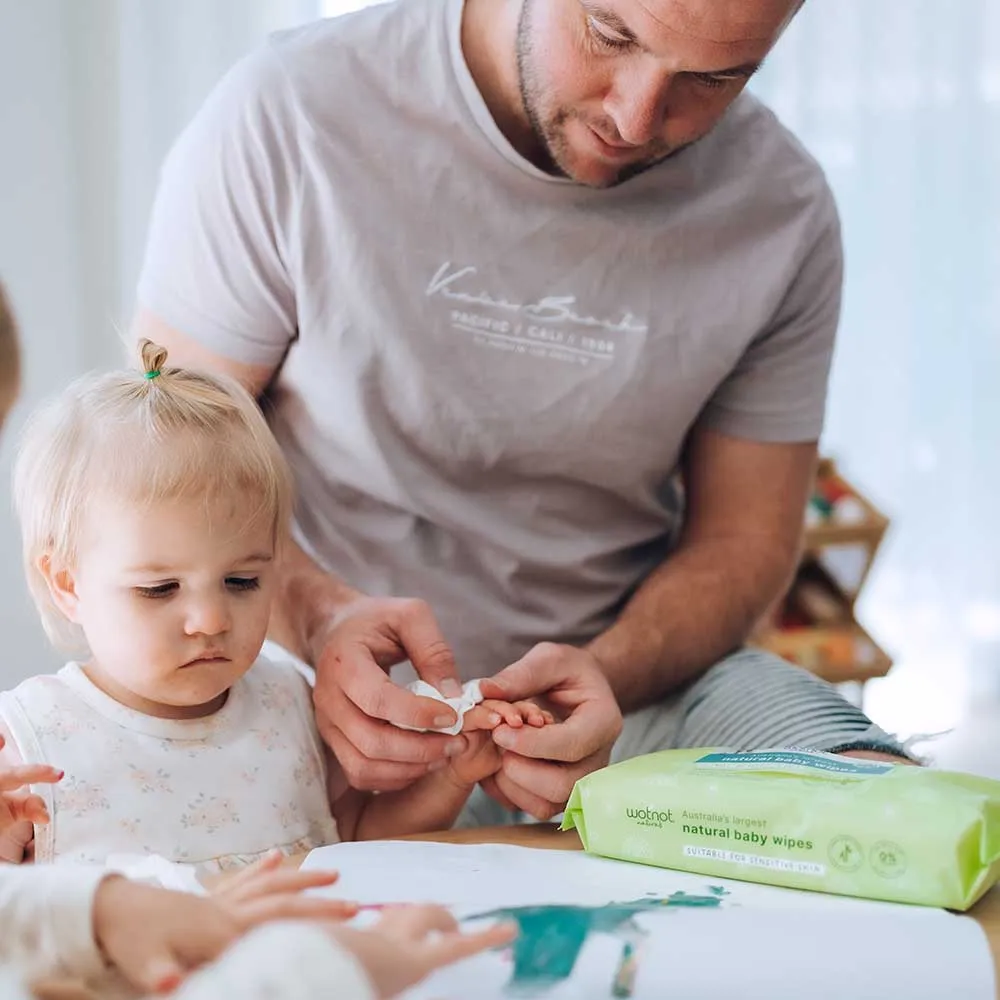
(612, 87)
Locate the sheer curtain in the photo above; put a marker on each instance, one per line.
(900, 101)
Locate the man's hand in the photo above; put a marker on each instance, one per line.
(154, 937)
(540, 766)
(411, 942)
(358, 707)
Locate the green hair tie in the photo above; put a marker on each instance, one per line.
(153, 373)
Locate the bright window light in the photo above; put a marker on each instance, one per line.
(331, 8)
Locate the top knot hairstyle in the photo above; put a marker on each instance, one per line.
(153, 358)
(140, 436)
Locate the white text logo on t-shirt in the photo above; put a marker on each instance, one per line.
(553, 326)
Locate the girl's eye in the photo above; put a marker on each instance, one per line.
(605, 37)
(242, 583)
(160, 590)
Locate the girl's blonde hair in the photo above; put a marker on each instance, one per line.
(145, 436)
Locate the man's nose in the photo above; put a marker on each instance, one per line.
(637, 102)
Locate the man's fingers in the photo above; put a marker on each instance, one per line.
(371, 775)
(12, 778)
(489, 785)
(549, 780)
(539, 670)
(425, 645)
(593, 725)
(392, 703)
(379, 740)
(527, 800)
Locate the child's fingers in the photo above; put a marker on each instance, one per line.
(455, 947)
(268, 863)
(508, 713)
(159, 974)
(12, 778)
(232, 886)
(414, 923)
(481, 716)
(530, 713)
(281, 882)
(540, 717)
(293, 907)
(61, 989)
(25, 807)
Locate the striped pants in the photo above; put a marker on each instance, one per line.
(750, 700)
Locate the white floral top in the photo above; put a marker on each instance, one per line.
(216, 792)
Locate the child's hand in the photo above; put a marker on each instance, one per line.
(18, 807)
(411, 942)
(267, 890)
(481, 758)
(490, 713)
(155, 936)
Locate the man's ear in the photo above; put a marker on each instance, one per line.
(61, 582)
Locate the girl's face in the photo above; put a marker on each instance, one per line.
(174, 599)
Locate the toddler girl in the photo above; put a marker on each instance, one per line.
(153, 507)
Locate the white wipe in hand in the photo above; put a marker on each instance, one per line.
(470, 697)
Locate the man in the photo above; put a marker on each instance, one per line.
(512, 273)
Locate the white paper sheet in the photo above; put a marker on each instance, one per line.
(719, 939)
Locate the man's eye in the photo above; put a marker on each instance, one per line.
(160, 590)
(712, 82)
(605, 36)
(242, 583)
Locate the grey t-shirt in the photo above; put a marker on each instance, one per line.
(487, 373)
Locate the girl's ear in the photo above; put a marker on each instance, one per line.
(62, 586)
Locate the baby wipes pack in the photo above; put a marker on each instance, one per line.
(798, 819)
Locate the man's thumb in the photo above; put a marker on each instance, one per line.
(506, 685)
(429, 653)
(528, 677)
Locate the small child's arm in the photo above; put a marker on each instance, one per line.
(46, 920)
(435, 801)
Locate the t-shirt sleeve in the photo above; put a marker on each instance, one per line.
(218, 257)
(777, 392)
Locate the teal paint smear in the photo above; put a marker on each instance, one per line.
(551, 937)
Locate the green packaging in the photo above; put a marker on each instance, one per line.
(798, 819)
